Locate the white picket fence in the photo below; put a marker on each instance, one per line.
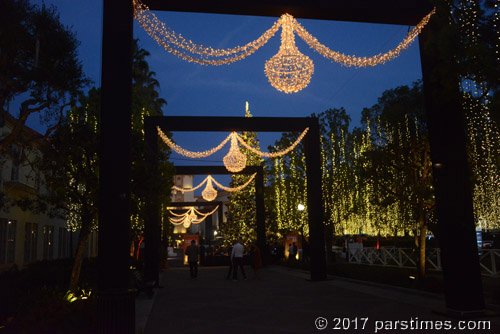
(489, 259)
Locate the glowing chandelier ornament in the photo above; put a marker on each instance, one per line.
(234, 161)
(209, 193)
(288, 71)
(187, 222)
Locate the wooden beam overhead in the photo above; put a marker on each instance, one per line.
(214, 123)
(214, 170)
(403, 12)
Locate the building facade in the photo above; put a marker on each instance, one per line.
(27, 236)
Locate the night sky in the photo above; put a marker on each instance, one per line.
(192, 89)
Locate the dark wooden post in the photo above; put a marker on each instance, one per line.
(457, 238)
(152, 231)
(315, 201)
(209, 230)
(260, 210)
(220, 214)
(116, 306)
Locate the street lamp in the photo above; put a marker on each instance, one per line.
(301, 208)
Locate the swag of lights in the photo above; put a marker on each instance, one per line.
(189, 217)
(209, 193)
(288, 71)
(234, 161)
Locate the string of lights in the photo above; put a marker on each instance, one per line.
(288, 71)
(174, 42)
(183, 190)
(209, 193)
(176, 214)
(243, 186)
(274, 154)
(205, 214)
(177, 219)
(347, 60)
(190, 217)
(190, 154)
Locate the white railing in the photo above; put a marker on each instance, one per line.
(489, 259)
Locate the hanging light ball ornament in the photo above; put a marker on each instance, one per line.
(192, 216)
(235, 161)
(186, 222)
(289, 70)
(209, 193)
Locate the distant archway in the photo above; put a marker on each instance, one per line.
(259, 124)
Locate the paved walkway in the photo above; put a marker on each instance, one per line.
(284, 301)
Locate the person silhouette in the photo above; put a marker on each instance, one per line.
(192, 253)
(237, 259)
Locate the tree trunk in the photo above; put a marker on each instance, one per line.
(421, 248)
(79, 255)
(329, 242)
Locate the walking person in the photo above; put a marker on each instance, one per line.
(237, 259)
(229, 252)
(290, 253)
(294, 251)
(256, 261)
(192, 253)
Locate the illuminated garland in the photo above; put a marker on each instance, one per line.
(243, 186)
(187, 153)
(274, 154)
(288, 71)
(209, 193)
(189, 217)
(347, 60)
(183, 190)
(174, 42)
(234, 161)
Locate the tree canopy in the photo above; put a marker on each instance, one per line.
(39, 65)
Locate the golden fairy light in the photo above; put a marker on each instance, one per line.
(234, 161)
(288, 71)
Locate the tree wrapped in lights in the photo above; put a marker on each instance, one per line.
(289, 179)
(241, 220)
(337, 171)
(399, 162)
(477, 25)
(367, 173)
(70, 163)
